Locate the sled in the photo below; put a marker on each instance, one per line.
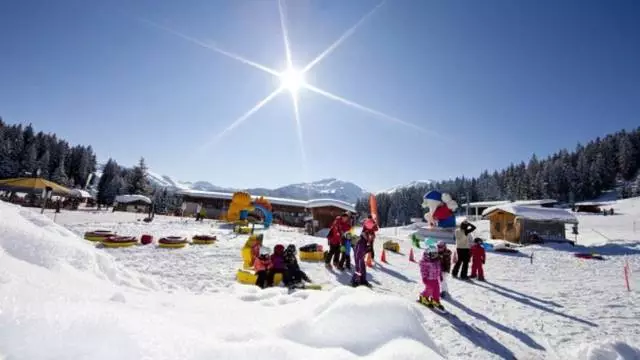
(312, 255)
(249, 277)
(172, 242)
(119, 241)
(391, 246)
(203, 239)
(98, 235)
(588, 256)
(306, 287)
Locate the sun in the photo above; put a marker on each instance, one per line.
(292, 80)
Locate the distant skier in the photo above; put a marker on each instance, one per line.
(430, 271)
(340, 226)
(445, 266)
(478, 256)
(362, 247)
(293, 276)
(261, 265)
(463, 240)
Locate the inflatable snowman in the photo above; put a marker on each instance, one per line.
(441, 209)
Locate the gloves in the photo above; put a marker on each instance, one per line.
(343, 249)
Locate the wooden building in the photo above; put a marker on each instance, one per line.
(132, 203)
(526, 224)
(289, 212)
(474, 210)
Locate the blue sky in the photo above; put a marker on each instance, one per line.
(498, 80)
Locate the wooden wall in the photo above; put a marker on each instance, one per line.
(503, 225)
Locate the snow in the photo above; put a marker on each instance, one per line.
(60, 297)
(534, 213)
(412, 184)
(331, 202)
(125, 199)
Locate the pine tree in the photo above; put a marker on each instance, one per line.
(109, 184)
(627, 157)
(138, 182)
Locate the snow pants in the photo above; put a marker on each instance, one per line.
(261, 281)
(431, 290)
(360, 273)
(271, 273)
(334, 255)
(345, 260)
(464, 255)
(477, 270)
(292, 277)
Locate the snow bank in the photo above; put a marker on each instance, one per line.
(607, 350)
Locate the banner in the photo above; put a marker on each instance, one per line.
(373, 208)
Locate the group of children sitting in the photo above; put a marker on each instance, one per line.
(435, 266)
(281, 261)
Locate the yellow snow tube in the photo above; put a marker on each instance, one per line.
(98, 235)
(391, 246)
(312, 255)
(243, 230)
(172, 242)
(203, 239)
(119, 241)
(249, 277)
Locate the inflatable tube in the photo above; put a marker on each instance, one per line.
(98, 235)
(588, 256)
(249, 277)
(268, 216)
(312, 255)
(119, 241)
(203, 239)
(172, 242)
(391, 246)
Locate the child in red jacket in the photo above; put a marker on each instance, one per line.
(262, 265)
(478, 258)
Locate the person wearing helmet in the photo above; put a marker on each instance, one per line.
(445, 267)
(430, 272)
(277, 264)
(362, 247)
(261, 265)
(293, 276)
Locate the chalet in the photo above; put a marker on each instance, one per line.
(527, 224)
(290, 212)
(594, 207)
(132, 203)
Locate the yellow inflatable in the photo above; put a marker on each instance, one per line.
(240, 201)
(98, 235)
(246, 275)
(172, 242)
(249, 277)
(312, 255)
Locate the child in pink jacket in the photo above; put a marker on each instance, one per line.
(430, 272)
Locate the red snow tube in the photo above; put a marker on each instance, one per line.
(588, 256)
(146, 239)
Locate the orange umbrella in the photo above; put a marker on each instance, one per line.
(32, 185)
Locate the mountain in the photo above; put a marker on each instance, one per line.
(412, 184)
(326, 188)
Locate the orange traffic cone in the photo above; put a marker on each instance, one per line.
(411, 256)
(383, 257)
(369, 261)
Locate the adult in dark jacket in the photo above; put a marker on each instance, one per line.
(293, 275)
(341, 225)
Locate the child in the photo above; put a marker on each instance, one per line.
(362, 247)
(478, 258)
(445, 267)
(345, 255)
(430, 272)
(292, 276)
(277, 264)
(255, 249)
(261, 265)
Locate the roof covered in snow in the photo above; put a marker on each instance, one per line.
(517, 202)
(534, 213)
(125, 199)
(274, 200)
(79, 193)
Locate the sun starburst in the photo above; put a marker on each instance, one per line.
(291, 79)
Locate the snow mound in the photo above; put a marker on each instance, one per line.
(376, 323)
(607, 350)
(39, 242)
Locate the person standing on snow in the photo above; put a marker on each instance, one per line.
(478, 256)
(445, 266)
(375, 229)
(341, 225)
(362, 247)
(430, 272)
(463, 242)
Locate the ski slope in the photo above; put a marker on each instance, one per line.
(75, 301)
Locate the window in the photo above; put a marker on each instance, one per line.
(509, 226)
(496, 227)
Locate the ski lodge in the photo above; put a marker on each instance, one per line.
(132, 203)
(526, 224)
(474, 210)
(289, 212)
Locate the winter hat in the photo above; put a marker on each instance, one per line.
(368, 225)
(441, 244)
(291, 249)
(278, 249)
(477, 240)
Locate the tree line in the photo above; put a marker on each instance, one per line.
(24, 153)
(608, 163)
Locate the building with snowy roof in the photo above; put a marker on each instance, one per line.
(528, 224)
(132, 203)
(290, 212)
(475, 209)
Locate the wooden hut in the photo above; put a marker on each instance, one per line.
(132, 203)
(525, 225)
(324, 211)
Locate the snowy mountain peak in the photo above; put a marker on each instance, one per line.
(414, 183)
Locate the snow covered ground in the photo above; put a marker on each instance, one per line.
(60, 297)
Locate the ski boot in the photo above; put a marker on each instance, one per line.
(425, 301)
(437, 305)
